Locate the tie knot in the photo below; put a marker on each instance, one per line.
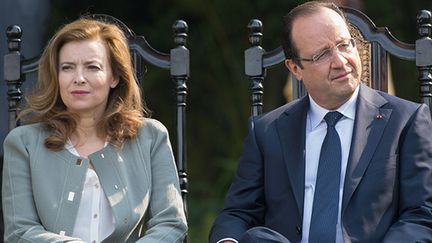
(332, 118)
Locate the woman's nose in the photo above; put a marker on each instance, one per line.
(79, 78)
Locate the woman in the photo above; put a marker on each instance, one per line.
(89, 166)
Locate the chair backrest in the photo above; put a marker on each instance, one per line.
(16, 68)
(375, 44)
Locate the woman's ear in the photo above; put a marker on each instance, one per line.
(114, 83)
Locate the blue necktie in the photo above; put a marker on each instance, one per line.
(326, 197)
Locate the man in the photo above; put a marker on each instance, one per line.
(364, 175)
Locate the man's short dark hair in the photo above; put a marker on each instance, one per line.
(302, 10)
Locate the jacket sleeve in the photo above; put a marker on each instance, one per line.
(415, 182)
(166, 218)
(244, 203)
(21, 219)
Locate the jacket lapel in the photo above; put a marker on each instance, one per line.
(291, 128)
(369, 125)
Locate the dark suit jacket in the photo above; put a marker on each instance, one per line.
(388, 187)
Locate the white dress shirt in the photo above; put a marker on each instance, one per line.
(316, 129)
(95, 220)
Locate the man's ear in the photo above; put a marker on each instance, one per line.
(294, 68)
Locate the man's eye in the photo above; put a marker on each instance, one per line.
(323, 55)
(343, 46)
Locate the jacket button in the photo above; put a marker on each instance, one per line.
(298, 230)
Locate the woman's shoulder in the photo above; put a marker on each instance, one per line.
(30, 130)
(153, 125)
(27, 135)
(152, 129)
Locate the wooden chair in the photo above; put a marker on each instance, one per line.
(17, 69)
(375, 44)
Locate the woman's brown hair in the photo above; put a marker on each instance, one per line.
(125, 110)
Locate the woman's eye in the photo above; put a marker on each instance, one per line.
(94, 67)
(65, 68)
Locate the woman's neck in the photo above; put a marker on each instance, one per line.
(87, 139)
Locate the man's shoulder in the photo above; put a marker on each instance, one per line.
(286, 108)
(398, 103)
(384, 100)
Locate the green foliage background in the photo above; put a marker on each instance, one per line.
(218, 100)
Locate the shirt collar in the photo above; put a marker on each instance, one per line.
(316, 112)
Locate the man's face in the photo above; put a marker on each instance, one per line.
(331, 80)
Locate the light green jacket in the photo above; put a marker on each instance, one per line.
(42, 189)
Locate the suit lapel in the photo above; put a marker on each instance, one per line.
(291, 128)
(369, 125)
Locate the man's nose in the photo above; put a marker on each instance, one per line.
(338, 58)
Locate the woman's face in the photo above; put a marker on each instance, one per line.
(85, 77)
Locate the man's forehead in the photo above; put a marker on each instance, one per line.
(322, 19)
(318, 30)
